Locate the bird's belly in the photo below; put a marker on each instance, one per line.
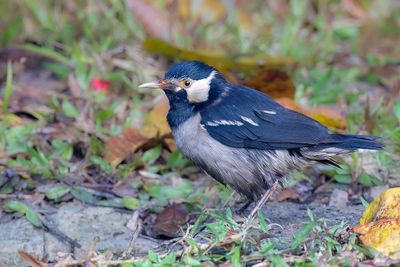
(196, 144)
(238, 167)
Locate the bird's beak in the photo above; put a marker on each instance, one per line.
(163, 84)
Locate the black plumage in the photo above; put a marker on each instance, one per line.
(241, 136)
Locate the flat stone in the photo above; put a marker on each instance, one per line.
(79, 222)
(338, 198)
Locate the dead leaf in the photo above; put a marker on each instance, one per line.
(275, 83)
(170, 221)
(124, 188)
(155, 129)
(380, 224)
(156, 125)
(327, 116)
(31, 260)
(287, 194)
(119, 147)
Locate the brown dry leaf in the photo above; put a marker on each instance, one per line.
(154, 22)
(119, 147)
(170, 221)
(156, 128)
(125, 188)
(328, 117)
(31, 260)
(275, 83)
(156, 125)
(380, 224)
(286, 194)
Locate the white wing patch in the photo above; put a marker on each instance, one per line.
(272, 112)
(248, 120)
(224, 122)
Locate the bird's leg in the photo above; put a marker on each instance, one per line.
(260, 203)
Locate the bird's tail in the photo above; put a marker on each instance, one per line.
(354, 141)
(338, 144)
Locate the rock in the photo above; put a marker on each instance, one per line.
(77, 221)
(377, 190)
(338, 198)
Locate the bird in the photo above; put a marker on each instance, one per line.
(241, 137)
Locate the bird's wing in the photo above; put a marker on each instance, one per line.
(250, 119)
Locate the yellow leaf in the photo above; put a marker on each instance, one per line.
(156, 125)
(380, 224)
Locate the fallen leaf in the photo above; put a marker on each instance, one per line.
(30, 259)
(170, 221)
(155, 129)
(119, 147)
(156, 125)
(275, 83)
(380, 224)
(287, 194)
(125, 188)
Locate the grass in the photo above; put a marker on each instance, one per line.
(99, 39)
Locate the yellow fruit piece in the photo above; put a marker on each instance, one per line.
(384, 206)
(382, 235)
(380, 224)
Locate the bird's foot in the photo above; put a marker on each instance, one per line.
(244, 207)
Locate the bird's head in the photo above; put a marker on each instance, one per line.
(192, 82)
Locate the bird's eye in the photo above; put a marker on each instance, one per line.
(186, 83)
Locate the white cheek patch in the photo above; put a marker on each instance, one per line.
(198, 91)
(177, 89)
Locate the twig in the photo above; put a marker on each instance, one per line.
(60, 235)
(10, 196)
(134, 224)
(92, 250)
